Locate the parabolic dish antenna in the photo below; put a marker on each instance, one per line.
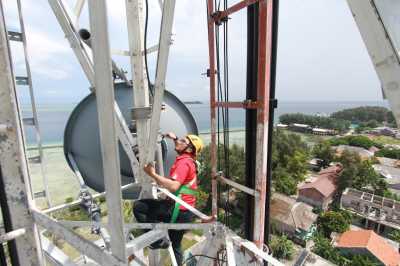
(82, 141)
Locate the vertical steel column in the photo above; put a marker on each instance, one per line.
(15, 173)
(263, 87)
(107, 124)
(212, 72)
(251, 114)
(33, 104)
(134, 16)
(273, 104)
(167, 20)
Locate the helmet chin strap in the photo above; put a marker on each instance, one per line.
(184, 150)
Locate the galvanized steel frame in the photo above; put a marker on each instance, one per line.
(82, 245)
(33, 105)
(107, 124)
(134, 16)
(99, 75)
(385, 58)
(66, 19)
(13, 161)
(167, 20)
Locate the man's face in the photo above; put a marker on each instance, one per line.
(181, 145)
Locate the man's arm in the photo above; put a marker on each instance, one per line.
(171, 185)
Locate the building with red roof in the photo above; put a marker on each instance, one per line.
(367, 242)
(320, 191)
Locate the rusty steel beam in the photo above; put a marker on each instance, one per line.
(222, 15)
(244, 104)
(238, 186)
(213, 150)
(263, 89)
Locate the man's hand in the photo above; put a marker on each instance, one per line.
(170, 135)
(149, 169)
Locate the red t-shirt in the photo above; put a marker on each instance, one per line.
(184, 171)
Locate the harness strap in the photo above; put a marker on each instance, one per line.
(184, 189)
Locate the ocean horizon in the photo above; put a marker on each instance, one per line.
(54, 116)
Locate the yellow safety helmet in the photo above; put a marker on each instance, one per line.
(196, 142)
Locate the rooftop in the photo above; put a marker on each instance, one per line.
(325, 182)
(369, 240)
(289, 211)
(300, 125)
(360, 151)
(388, 168)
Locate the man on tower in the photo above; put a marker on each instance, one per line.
(182, 181)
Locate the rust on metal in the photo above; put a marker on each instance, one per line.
(221, 16)
(263, 89)
(213, 151)
(248, 104)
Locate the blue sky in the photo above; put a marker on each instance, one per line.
(321, 56)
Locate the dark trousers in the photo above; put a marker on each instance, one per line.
(157, 210)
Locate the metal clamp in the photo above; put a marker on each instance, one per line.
(138, 113)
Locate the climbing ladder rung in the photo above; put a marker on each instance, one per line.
(15, 36)
(29, 121)
(39, 194)
(24, 81)
(35, 159)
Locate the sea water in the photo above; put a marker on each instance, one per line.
(53, 117)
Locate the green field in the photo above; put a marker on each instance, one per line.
(386, 140)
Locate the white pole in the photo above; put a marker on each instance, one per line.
(107, 124)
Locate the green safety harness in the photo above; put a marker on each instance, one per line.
(184, 189)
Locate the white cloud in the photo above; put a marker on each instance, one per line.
(46, 56)
(307, 60)
(46, 53)
(54, 74)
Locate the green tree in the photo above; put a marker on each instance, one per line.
(360, 174)
(363, 260)
(282, 247)
(358, 141)
(350, 162)
(366, 114)
(323, 150)
(333, 221)
(395, 235)
(236, 170)
(289, 161)
(389, 153)
(315, 121)
(283, 182)
(322, 247)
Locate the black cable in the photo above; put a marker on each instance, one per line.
(219, 98)
(145, 49)
(3, 258)
(223, 95)
(226, 111)
(8, 227)
(219, 95)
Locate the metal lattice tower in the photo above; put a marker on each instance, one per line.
(96, 62)
(26, 81)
